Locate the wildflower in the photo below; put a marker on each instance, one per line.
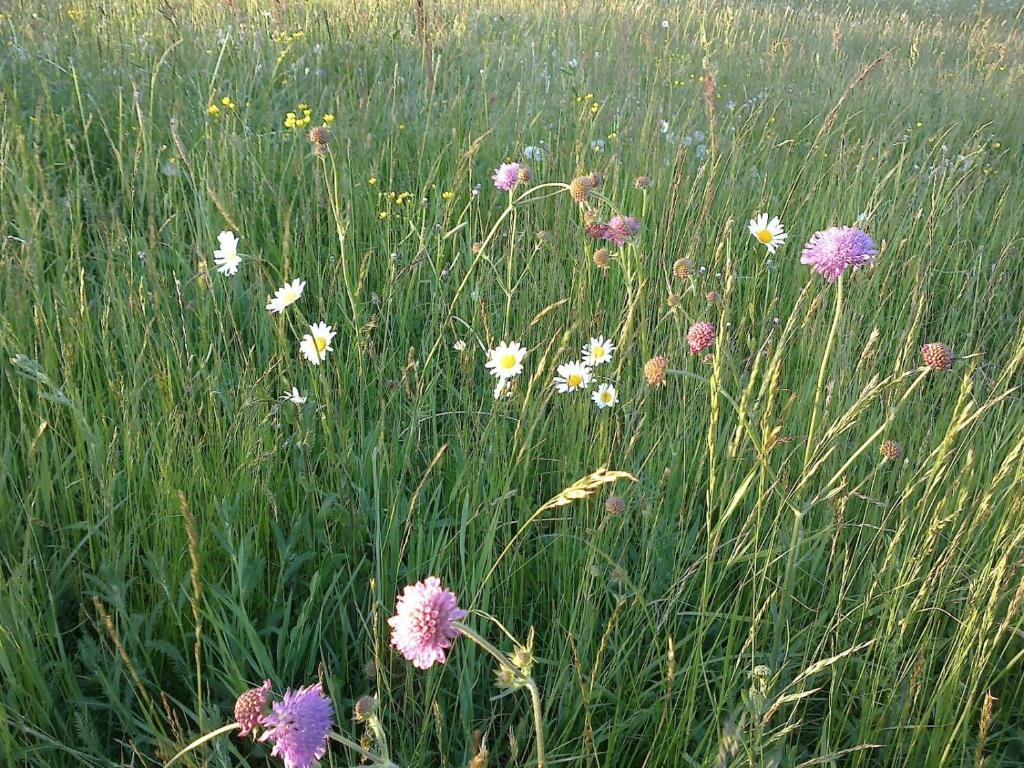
(615, 506)
(664, 23)
(251, 707)
(506, 360)
(596, 180)
(770, 233)
(598, 351)
(365, 708)
(601, 258)
(937, 356)
(713, 297)
(509, 175)
(642, 182)
(318, 134)
(831, 251)
(285, 296)
(447, 195)
(700, 337)
(579, 188)
(534, 154)
(294, 396)
(605, 396)
(459, 346)
(891, 450)
(620, 229)
(573, 376)
(663, 126)
(213, 110)
(672, 300)
(422, 627)
(598, 145)
(654, 371)
(298, 726)
(682, 268)
(317, 343)
(226, 257)
(328, 118)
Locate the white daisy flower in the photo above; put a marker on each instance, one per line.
(226, 257)
(294, 396)
(287, 295)
(598, 351)
(573, 376)
(317, 343)
(605, 396)
(506, 360)
(459, 346)
(768, 232)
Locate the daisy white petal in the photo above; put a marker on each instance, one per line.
(598, 351)
(573, 376)
(605, 396)
(286, 295)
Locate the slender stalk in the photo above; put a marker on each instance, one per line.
(202, 740)
(527, 682)
(822, 371)
(375, 759)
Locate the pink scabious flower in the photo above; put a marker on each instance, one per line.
(421, 628)
(700, 337)
(251, 707)
(620, 229)
(508, 175)
(298, 726)
(831, 251)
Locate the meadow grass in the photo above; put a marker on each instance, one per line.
(172, 532)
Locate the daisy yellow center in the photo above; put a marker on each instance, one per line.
(320, 343)
(765, 236)
(597, 352)
(606, 397)
(508, 361)
(290, 296)
(573, 379)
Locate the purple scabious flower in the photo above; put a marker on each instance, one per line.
(421, 628)
(508, 175)
(831, 251)
(620, 229)
(250, 708)
(298, 726)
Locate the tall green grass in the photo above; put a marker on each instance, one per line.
(171, 532)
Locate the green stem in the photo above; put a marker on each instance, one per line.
(527, 681)
(375, 759)
(202, 740)
(820, 387)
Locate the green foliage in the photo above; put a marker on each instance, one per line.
(703, 627)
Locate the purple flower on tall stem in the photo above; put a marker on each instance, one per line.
(832, 251)
(509, 175)
(298, 726)
(620, 229)
(421, 628)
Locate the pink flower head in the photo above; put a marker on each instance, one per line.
(701, 336)
(831, 251)
(421, 628)
(509, 175)
(620, 229)
(298, 726)
(251, 707)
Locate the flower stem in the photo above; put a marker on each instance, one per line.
(527, 682)
(820, 387)
(202, 740)
(375, 759)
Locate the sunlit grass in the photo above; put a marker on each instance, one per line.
(172, 530)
